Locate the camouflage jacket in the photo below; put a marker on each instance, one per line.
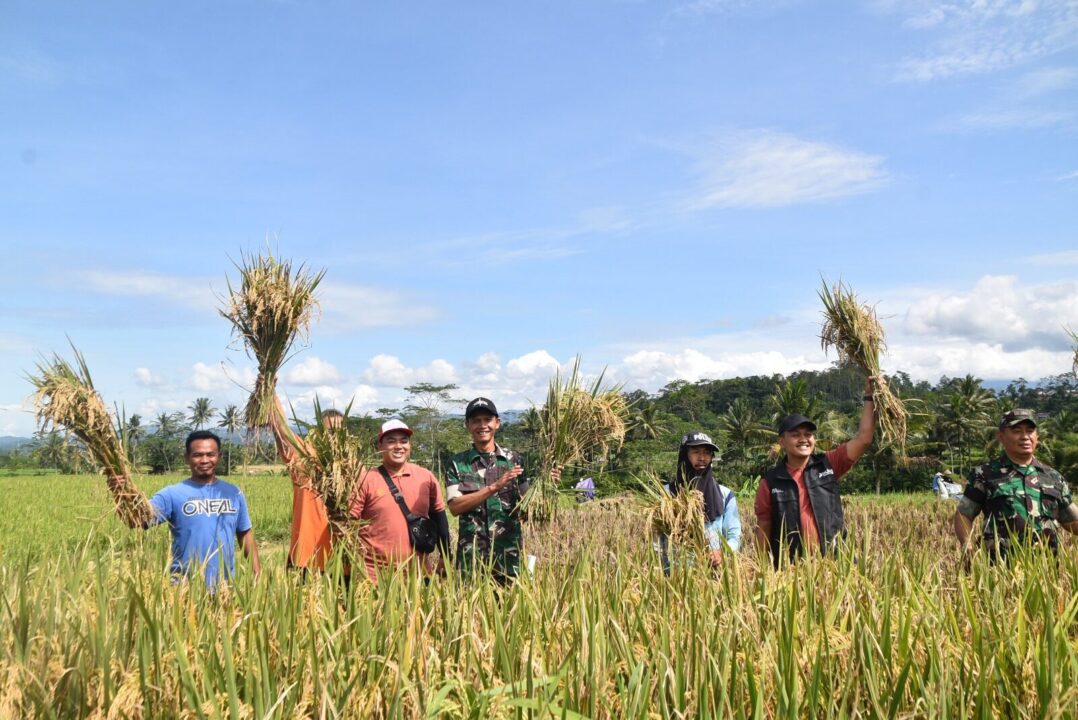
(1019, 501)
(491, 532)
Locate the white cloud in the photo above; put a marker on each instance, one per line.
(313, 371)
(1068, 176)
(353, 307)
(190, 292)
(997, 311)
(984, 35)
(1056, 259)
(1047, 80)
(771, 169)
(1013, 118)
(501, 256)
(984, 360)
(389, 371)
(215, 378)
(535, 363)
(146, 378)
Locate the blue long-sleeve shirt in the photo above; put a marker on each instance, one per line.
(725, 527)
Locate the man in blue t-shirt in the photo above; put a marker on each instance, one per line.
(205, 515)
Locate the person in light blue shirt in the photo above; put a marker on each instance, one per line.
(722, 521)
(206, 515)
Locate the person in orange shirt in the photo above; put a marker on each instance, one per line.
(798, 507)
(312, 540)
(385, 535)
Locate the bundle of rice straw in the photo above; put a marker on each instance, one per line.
(65, 397)
(333, 460)
(851, 327)
(271, 306)
(1074, 362)
(576, 424)
(679, 517)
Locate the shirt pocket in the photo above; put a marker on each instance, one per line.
(1051, 501)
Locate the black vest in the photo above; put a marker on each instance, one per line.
(826, 504)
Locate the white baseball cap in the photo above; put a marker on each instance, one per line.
(391, 426)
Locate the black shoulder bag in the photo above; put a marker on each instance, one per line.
(420, 527)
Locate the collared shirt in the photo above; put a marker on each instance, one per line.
(1017, 498)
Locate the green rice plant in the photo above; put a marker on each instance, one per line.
(577, 422)
(851, 327)
(1074, 349)
(270, 307)
(65, 397)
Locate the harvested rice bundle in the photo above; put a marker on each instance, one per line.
(576, 424)
(851, 327)
(65, 397)
(1074, 362)
(334, 460)
(677, 516)
(270, 307)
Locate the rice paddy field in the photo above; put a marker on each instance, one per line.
(891, 628)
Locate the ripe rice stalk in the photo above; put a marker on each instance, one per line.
(577, 423)
(851, 327)
(334, 461)
(65, 397)
(1074, 361)
(678, 514)
(268, 309)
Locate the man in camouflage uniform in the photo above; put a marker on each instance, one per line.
(1024, 500)
(484, 486)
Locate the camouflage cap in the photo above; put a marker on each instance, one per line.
(1018, 415)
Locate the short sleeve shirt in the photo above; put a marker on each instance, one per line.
(1017, 499)
(810, 534)
(203, 519)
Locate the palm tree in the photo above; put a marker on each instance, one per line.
(201, 412)
(743, 431)
(231, 420)
(646, 424)
(790, 397)
(966, 416)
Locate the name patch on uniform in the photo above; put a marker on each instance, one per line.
(827, 472)
(214, 506)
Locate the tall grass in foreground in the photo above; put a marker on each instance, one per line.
(890, 628)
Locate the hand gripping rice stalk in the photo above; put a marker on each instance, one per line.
(851, 328)
(679, 517)
(65, 397)
(577, 423)
(333, 460)
(268, 309)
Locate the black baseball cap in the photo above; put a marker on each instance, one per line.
(790, 422)
(699, 438)
(1018, 415)
(480, 404)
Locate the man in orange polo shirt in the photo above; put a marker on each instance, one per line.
(385, 535)
(798, 506)
(311, 540)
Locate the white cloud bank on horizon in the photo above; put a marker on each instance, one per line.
(764, 168)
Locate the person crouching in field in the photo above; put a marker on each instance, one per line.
(312, 540)
(393, 498)
(1025, 501)
(797, 506)
(722, 521)
(206, 516)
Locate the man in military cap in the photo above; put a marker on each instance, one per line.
(1024, 500)
(484, 486)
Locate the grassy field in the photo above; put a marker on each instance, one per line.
(891, 628)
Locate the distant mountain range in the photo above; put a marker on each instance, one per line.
(10, 442)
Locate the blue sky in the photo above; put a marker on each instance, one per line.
(496, 187)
